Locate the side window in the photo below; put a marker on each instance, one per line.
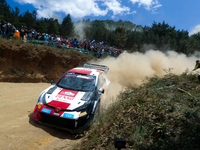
(103, 77)
(100, 81)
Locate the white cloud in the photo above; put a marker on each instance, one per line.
(195, 30)
(116, 7)
(150, 5)
(77, 8)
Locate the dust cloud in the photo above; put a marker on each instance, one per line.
(79, 29)
(132, 68)
(79, 26)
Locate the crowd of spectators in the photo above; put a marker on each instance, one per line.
(99, 48)
(8, 30)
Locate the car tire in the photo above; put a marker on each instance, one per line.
(96, 114)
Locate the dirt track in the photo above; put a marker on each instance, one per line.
(18, 130)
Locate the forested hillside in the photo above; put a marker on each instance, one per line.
(122, 34)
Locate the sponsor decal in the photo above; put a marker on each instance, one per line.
(66, 95)
(66, 115)
(83, 114)
(48, 111)
(56, 114)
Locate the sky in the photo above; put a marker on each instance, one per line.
(183, 14)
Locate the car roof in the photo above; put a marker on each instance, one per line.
(87, 71)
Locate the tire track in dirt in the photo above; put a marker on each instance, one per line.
(18, 130)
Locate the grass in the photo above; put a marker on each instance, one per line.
(162, 113)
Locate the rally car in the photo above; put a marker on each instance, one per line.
(73, 102)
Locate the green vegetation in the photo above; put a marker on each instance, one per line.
(162, 113)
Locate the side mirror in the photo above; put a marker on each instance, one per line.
(101, 91)
(52, 83)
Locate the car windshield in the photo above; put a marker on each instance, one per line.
(76, 82)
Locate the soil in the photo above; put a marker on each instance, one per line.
(24, 74)
(18, 130)
(29, 63)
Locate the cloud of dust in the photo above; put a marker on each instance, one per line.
(113, 27)
(79, 29)
(132, 68)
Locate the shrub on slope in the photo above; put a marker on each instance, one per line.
(160, 114)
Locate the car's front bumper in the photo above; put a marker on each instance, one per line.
(72, 125)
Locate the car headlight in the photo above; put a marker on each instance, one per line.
(44, 99)
(39, 98)
(83, 107)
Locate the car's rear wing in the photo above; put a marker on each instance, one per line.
(105, 69)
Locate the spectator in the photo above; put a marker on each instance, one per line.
(75, 42)
(3, 28)
(8, 29)
(22, 32)
(47, 38)
(42, 37)
(29, 35)
(0, 28)
(17, 35)
(12, 32)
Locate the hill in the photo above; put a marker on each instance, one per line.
(162, 113)
(25, 62)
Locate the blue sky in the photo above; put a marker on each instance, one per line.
(183, 14)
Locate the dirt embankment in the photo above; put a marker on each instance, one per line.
(29, 63)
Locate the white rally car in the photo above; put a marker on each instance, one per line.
(73, 103)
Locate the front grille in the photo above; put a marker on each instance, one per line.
(58, 121)
(55, 108)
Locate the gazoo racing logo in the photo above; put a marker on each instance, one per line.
(66, 94)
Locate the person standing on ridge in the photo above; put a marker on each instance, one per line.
(196, 67)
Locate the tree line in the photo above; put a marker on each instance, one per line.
(122, 34)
